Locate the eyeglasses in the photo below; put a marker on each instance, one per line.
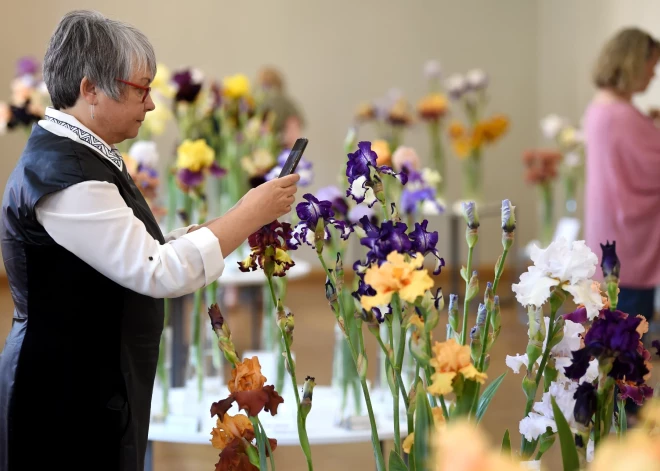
(147, 90)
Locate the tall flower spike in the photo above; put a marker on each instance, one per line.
(472, 220)
(508, 223)
(452, 326)
(306, 402)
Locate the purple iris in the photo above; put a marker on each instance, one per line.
(336, 197)
(578, 316)
(304, 169)
(416, 192)
(612, 336)
(188, 178)
(358, 212)
(585, 403)
(610, 262)
(363, 174)
(314, 210)
(187, 89)
(310, 213)
(390, 237)
(27, 66)
(360, 162)
(638, 394)
(424, 242)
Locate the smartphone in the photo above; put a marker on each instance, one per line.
(294, 157)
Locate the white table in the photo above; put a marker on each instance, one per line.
(321, 427)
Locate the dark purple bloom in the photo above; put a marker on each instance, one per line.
(189, 178)
(314, 210)
(216, 170)
(585, 403)
(637, 393)
(390, 237)
(152, 172)
(610, 262)
(27, 66)
(336, 197)
(187, 88)
(424, 242)
(363, 290)
(402, 176)
(613, 336)
(578, 316)
(360, 162)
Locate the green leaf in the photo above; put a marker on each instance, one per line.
(396, 462)
(487, 396)
(506, 443)
(623, 420)
(569, 453)
(466, 401)
(464, 273)
(423, 420)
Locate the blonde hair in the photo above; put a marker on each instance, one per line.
(622, 60)
(270, 78)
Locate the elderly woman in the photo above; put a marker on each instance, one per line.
(87, 263)
(623, 167)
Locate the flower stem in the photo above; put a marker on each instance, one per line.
(466, 301)
(499, 269)
(302, 431)
(395, 394)
(402, 386)
(375, 441)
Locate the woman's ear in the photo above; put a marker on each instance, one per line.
(88, 91)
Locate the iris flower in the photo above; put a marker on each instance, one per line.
(269, 247)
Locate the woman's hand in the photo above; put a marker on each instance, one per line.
(270, 200)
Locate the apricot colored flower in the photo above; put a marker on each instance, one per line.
(229, 428)
(432, 107)
(236, 86)
(396, 275)
(247, 376)
(382, 150)
(449, 360)
(439, 422)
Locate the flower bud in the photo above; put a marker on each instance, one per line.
(330, 292)
(610, 261)
(488, 296)
(475, 343)
(529, 386)
(473, 287)
(453, 312)
(439, 300)
(558, 331)
(496, 318)
(486, 363)
(224, 334)
(319, 236)
(470, 214)
(481, 316)
(339, 273)
(306, 402)
(508, 216)
(395, 216)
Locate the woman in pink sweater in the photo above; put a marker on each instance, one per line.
(622, 200)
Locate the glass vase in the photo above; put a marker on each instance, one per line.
(473, 177)
(345, 380)
(546, 214)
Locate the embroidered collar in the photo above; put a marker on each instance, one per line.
(65, 125)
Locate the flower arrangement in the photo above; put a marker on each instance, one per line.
(29, 98)
(588, 361)
(468, 141)
(570, 143)
(541, 170)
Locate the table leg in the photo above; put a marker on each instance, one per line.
(149, 457)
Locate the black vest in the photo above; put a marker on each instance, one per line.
(78, 367)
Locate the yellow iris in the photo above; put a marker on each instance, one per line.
(194, 155)
(396, 275)
(161, 82)
(451, 359)
(236, 86)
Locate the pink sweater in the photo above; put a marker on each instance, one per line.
(622, 195)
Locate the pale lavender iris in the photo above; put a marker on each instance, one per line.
(304, 169)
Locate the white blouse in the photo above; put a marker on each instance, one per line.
(92, 221)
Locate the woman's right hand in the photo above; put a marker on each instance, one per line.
(270, 200)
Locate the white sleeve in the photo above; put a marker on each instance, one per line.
(176, 233)
(92, 221)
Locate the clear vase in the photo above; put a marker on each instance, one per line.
(546, 214)
(345, 380)
(473, 178)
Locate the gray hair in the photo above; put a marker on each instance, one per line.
(87, 44)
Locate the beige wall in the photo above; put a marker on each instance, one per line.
(336, 54)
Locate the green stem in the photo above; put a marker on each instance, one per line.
(302, 431)
(499, 270)
(395, 395)
(375, 441)
(466, 301)
(427, 370)
(261, 443)
(197, 340)
(402, 386)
